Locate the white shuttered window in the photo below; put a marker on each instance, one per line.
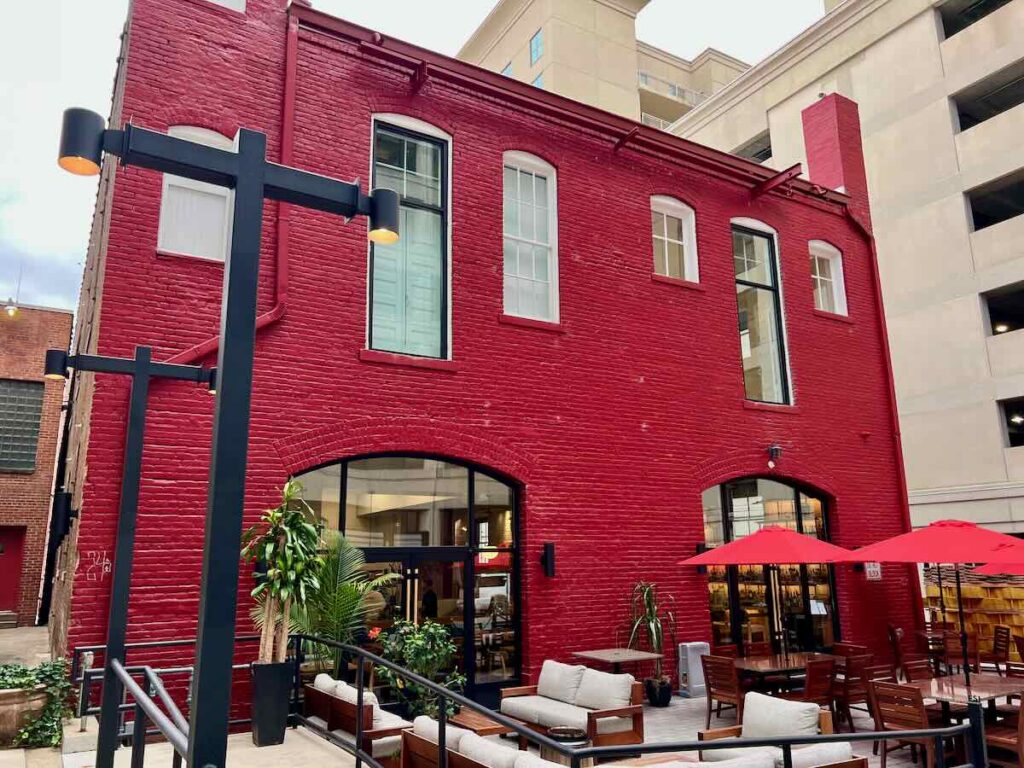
(530, 238)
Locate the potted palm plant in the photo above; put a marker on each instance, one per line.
(284, 547)
(647, 620)
(339, 605)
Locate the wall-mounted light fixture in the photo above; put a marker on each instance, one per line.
(774, 454)
(547, 559)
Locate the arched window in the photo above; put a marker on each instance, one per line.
(827, 277)
(195, 217)
(755, 604)
(530, 237)
(674, 233)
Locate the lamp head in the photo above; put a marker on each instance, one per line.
(213, 381)
(81, 142)
(56, 366)
(383, 216)
(11, 308)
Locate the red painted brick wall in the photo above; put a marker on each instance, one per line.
(25, 497)
(613, 425)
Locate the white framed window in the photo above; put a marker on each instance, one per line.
(538, 81)
(530, 237)
(827, 277)
(536, 46)
(674, 235)
(195, 217)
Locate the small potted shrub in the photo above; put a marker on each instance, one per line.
(648, 621)
(428, 650)
(284, 547)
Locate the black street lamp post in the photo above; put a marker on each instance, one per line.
(253, 178)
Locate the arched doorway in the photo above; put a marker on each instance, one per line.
(746, 607)
(451, 531)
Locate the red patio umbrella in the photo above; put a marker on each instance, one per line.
(772, 545)
(999, 569)
(946, 541)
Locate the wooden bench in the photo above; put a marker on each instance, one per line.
(341, 715)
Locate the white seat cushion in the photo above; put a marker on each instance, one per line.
(767, 716)
(384, 719)
(601, 690)
(324, 682)
(560, 681)
(548, 712)
(487, 752)
(813, 755)
(529, 760)
(386, 747)
(720, 756)
(522, 707)
(427, 728)
(751, 760)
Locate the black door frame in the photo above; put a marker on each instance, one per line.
(483, 692)
(732, 571)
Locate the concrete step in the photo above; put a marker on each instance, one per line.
(8, 620)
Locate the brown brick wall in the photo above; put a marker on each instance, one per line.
(25, 497)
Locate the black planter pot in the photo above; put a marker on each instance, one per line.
(271, 696)
(659, 692)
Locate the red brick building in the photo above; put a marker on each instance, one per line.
(550, 354)
(30, 418)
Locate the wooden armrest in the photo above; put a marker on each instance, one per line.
(731, 731)
(381, 733)
(522, 690)
(630, 711)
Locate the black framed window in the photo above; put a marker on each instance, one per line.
(760, 316)
(408, 279)
(21, 408)
(749, 604)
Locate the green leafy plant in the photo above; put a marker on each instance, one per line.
(429, 651)
(647, 620)
(286, 543)
(47, 729)
(337, 608)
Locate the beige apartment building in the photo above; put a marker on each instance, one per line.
(941, 92)
(587, 50)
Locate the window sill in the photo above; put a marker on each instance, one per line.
(754, 405)
(677, 281)
(189, 256)
(832, 316)
(408, 361)
(527, 322)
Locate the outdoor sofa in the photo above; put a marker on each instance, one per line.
(334, 703)
(608, 707)
(766, 717)
(464, 749)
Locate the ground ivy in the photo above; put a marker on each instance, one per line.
(46, 730)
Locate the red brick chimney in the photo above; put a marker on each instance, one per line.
(835, 155)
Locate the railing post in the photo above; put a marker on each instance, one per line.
(976, 735)
(442, 723)
(940, 752)
(787, 755)
(296, 680)
(359, 710)
(139, 728)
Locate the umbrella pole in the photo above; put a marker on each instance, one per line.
(963, 626)
(942, 597)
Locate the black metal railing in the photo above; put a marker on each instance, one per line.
(172, 724)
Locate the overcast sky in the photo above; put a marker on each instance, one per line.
(60, 53)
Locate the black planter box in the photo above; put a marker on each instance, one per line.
(271, 696)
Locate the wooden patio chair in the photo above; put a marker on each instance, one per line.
(818, 685)
(900, 708)
(1018, 642)
(849, 649)
(723, 686)
(1011, 709)
(851, 688)
(759, 648)
(896, 645)
(953, 654)
(1000, 653)
(1005, 742)
(729, 650)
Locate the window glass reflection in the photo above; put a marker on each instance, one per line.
(321, 489)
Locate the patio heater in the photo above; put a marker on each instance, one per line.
(83, 142)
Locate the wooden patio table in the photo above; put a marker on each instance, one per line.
(952, 689)
(781, 663)
(617, 656)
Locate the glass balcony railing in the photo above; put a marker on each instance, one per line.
(672, 90)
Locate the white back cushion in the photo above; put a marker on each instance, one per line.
(427, 728)
(490, 753)
(602, 690)
(766, 716)
(762, 759)
(348, 693)
(528, 760)
(324, 682)
(560, 681)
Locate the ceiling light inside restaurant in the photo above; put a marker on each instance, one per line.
(1001, 328)
(1017, 418)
